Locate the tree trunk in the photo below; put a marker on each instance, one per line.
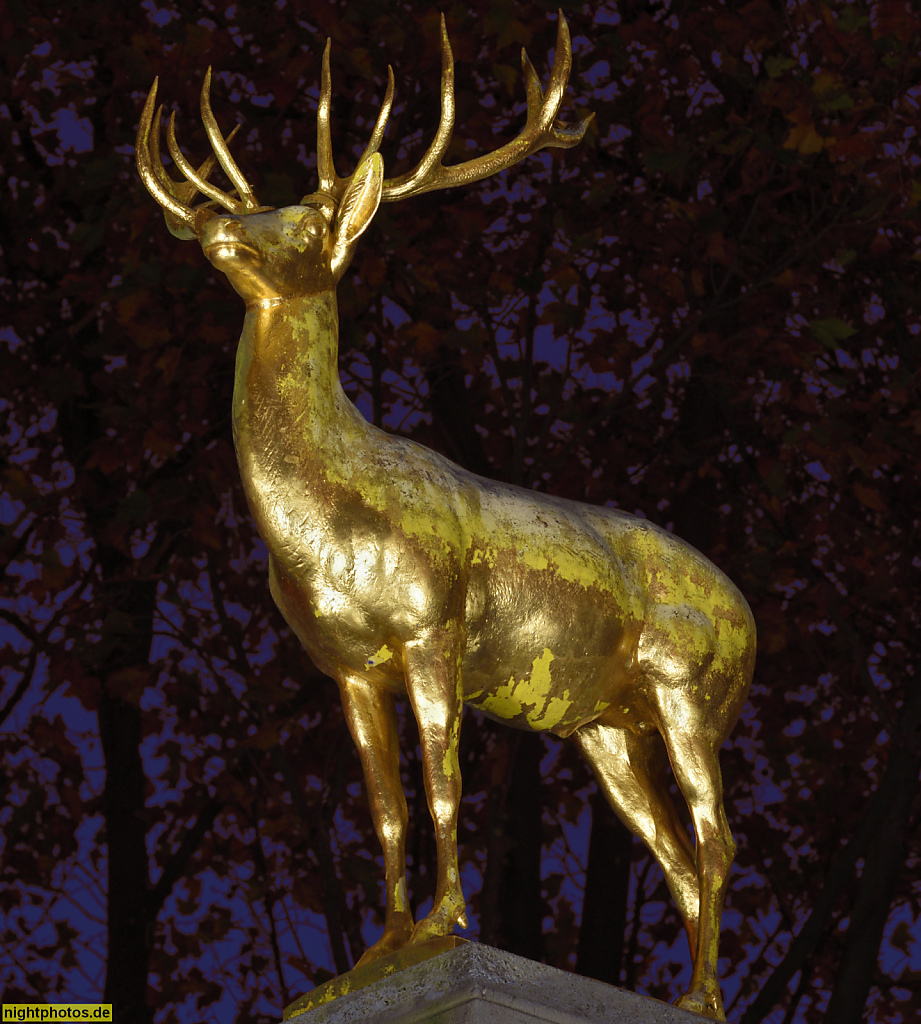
(882, 865)
(129, 922)
(600, 951)
(449, 405)
(129, 906)
(520, 901)
(880, 822)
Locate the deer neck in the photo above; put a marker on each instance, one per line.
(291, 418)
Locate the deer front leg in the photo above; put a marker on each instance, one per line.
(433, 681)
(372, 720)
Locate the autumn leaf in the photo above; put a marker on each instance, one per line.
(870, 497)
(830, 332)
(804, 139)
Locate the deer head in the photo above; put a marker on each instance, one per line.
(271, 254)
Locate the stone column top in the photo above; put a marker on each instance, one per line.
(476, 984)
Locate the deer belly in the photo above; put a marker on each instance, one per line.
(543, 660)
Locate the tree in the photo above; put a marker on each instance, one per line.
(708, 312)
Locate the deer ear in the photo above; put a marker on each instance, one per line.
(357, 207)
(178, 228)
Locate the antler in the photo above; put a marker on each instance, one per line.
(541, 130)
(175, 197)
(330, 182)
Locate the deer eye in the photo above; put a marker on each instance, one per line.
(314, 227)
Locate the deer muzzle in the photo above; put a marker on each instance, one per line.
(225, 238)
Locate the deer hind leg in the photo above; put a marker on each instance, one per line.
(372, 720)
(630, 770)
(433, 683)
(693, 753)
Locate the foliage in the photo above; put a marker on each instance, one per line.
(709, 312)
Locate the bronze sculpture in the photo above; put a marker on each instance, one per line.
(403, 574)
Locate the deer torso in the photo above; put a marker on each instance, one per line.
(374, 539)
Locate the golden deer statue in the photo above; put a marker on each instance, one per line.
(404, 575)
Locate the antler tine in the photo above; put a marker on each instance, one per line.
(248, 200)
(151, 172)
(407, 184)
(541, 129)
(156, 158)
(184, 191)
(381, 123)
(543, 108)
(331, 185)
(534, 92)
(174, 188)
(559, 76)
(330, 182)
(196, 179)
(210, 162)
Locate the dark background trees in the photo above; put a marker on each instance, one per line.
(708, 312)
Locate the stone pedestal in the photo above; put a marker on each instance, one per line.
(476, 984)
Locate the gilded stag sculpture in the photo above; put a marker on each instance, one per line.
(404, 575)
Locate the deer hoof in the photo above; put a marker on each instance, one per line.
(439, 922)
(706, 1005)
(394, 939)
